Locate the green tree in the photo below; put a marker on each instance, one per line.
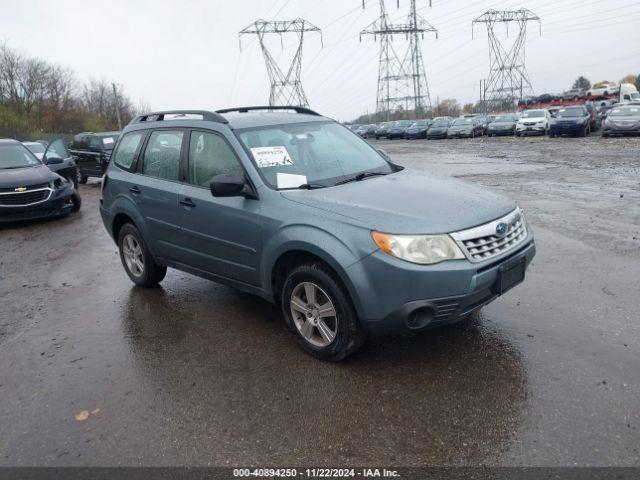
(582, 83)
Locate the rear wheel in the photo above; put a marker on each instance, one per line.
(136, 258)
(317, 308)
(82, 178)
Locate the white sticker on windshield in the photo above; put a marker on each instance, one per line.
(271, 156)
(107, 140)
(290, 180)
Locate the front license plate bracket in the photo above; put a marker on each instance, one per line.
(510, 275)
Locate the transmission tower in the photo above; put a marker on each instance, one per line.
(402, 81)
(508, 78)
(285, 89)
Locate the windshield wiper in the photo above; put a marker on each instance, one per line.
(310, 186)
(358, 177)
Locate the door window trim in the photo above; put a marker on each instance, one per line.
(136, 154)
(140, 164)
(233, 151)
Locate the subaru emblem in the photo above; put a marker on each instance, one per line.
(501, 229)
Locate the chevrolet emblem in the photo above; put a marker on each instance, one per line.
(21, 189)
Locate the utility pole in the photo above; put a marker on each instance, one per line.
(402, 81)
(285, 89)
(115, 96)
(508, 77)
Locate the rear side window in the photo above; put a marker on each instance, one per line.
(210, 155)
(127, 149)
(162, 155)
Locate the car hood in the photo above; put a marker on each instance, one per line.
(24, 177)
(408, 202)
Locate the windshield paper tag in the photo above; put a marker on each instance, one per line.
(271, 156)
(107, 140)
(290, 180)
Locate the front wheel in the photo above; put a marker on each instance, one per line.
(76, 200)
(318, 309)
(136, 258)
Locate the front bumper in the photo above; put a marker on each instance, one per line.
(531, 130)
(59, 204)
(501, 131)
(393, 135)
(438, 134)
(422, 134)
(621, 130)
(572, 129)
(415, 297)
(460, 134)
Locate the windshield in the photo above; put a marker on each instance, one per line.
(402, 123)
(296, 154)
(422, 123)
(16, 156)
(634, 96)
(109, 142)
(505, 118)
(440, 123)
(532, 114)
(625, 112)
(462, 121)
(571, 112)
(35, 147)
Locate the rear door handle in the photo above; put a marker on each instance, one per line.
(187, 202)
(135, 190)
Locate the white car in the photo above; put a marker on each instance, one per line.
(36, 148)
(600, 89)
(533, 122)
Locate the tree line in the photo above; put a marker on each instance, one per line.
(39, 97)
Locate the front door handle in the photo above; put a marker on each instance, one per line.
(187, 202)
(135, 190)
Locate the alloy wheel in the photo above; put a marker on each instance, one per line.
(314, 314)
(133, 257)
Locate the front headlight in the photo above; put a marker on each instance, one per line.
(422, 249)
(57, 183)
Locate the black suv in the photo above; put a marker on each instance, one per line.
(92, 152)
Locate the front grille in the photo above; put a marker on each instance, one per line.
(529, 124)
(21, 199)
(484, 242)
(28, 187)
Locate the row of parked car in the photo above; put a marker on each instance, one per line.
(619, 119)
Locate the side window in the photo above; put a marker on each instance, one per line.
(210, 155)
(162, 155)
(95, 143)
(127, 149)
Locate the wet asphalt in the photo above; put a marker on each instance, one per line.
(95, 371)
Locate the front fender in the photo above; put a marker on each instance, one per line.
(336, 252)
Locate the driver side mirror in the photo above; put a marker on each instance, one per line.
(52, 161)
(230, 185)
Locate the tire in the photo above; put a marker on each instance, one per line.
(517, 134)
(343, 334)
(82, 178)
(149, 274)
(552, 135)
(583, 133)
(605, 135)
(77, 201)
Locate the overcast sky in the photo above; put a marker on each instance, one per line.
(185, 54)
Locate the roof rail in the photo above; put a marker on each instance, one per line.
(159, 116)
(296, 109)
